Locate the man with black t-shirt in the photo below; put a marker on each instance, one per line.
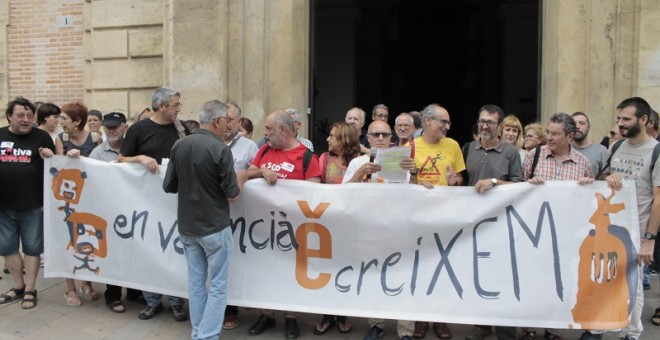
(147, 142)
(22, 149)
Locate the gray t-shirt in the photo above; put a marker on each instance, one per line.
(632, 162)
(596, 154)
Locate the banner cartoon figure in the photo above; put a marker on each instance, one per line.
(606, 255)
(87, 232)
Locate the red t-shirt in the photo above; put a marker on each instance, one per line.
(287, 164)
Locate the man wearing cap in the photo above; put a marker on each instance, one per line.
(114, 126)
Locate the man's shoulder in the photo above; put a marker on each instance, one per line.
(451, 143)
(359, 160)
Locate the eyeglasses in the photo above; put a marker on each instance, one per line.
(405, 126)
(379, 134)
(553, 134)
(529, 136)
(177, 105)
(490, 123)
(442, 121)
(382, 116)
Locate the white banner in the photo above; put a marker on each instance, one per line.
(557, 255)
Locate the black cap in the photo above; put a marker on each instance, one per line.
(113, 119)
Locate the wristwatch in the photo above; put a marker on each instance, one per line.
(649, 236)
(414, 173)
(494, 180)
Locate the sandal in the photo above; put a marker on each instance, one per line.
(72, 299)
(88, 292)
(421, 327)
(343, 326)
(18, 293)
(441, 330)
(30, 298)
(116, 306)
(655, 319)
(551, 336)
(324, 326)
(231, 321)
(527, 334)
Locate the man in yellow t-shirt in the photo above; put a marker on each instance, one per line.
(438, 158)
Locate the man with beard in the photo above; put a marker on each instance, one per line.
(282, 158)
(491, 162)
(632, 161)
(595, 153)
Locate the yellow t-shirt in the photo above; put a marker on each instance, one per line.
(432, 160)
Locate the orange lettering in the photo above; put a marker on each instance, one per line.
(318, 211)
(304, 253)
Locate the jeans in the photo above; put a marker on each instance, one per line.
(155, 299)
(207, 255)
(646, 280)
(24, 226)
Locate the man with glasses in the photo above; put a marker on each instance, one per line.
(595, 153)
(360, 169)
(491, 162)
(438, 160)
(147, 142)
(382, 112)
(404, 128)
(243, 151)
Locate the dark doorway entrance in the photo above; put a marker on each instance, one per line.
(410, 53)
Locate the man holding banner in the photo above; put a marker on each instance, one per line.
(201, 171)
(632, 160)
(557, 161)
(283, 157)
(491, 162)
(359, 169)
(147, 142)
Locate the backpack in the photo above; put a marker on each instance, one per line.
(617, 144)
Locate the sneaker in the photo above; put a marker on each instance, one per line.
(627, 337)
(178, 313)
(374, 333)
(590, 336)
(478, 333)
(149, 312)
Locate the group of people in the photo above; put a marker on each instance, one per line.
(209, 163)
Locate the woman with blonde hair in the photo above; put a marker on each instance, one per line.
(511, 131)
(534, 135)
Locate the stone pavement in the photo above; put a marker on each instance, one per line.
(53, 319)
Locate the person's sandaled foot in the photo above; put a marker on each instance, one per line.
(324, 326)
(117, 306)
(421, 327)
(29, 299)
(655, 319)
(231, 321)
(89, 293)
(343, 326)
(527, 334)
(551, 336)
(441, 330)
(12, 294)
(72, 298)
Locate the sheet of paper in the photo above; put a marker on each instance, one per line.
(390, 159)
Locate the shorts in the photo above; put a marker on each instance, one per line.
(26, 226)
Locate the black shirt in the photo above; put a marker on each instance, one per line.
(150, 139)
(22, 169)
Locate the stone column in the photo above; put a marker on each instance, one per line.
(597, 53)
(252, 52)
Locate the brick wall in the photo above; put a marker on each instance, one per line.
(45, 61)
